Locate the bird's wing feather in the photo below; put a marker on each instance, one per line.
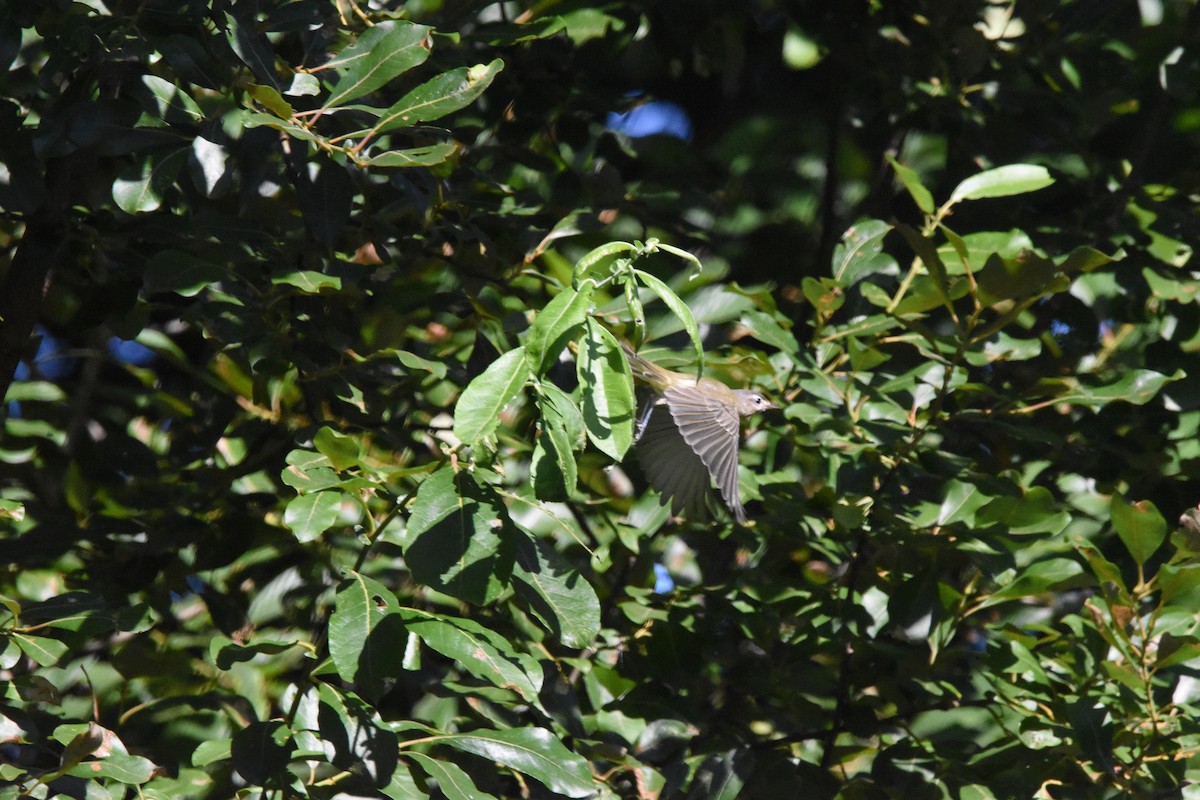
(710, 428)
(670, 464)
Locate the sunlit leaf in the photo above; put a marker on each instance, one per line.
(440, 96)
(1141, 528)
(531, 751)
(310, 515)
(554, 325)
(481, 652)
(381, 53)
(477, 412)
(912, 182)
(1002, 182)
(556, 593)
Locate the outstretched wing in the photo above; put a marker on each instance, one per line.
(710, 428)
(670, 464)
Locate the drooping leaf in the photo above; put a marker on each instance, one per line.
(356, 734)
(608, 401)
(553, 467)
(1138, 386)
(679, 309)
(912, 182)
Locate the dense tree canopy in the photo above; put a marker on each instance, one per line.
(317, 478)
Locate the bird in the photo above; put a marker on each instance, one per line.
(690, 433)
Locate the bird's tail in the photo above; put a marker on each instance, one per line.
(642, 369)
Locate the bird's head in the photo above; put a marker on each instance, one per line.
(751, 402)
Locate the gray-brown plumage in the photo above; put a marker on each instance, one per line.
(690, 434)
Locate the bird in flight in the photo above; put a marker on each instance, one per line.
(690, 434)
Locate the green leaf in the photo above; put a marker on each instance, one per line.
(179, 272)
(271, 100)
(44, 651)
(120, 767)
(555, 325)
(459, 539)
(226, 653)
(556, 401)
(1041, 576)
(960, 503)
(477, 412)
(414, 362)
(1104, 570)
(533, 752)
(1137, 386)
(1036, 511)
(260, 120)
(343, 451)
(309, 472)
(310, 515)
(1171, 287)
(453, 782)
(482, 652)
(679, 309)
(769, 330)
(1008, 278)
(557, 595)
(860, 252)
(1141, 528)
(440, 96)
(1087, 259)
(261, 751)
(1178, 581)
(353, 730)
(585, 265)
(1002, 182)
(366, 635)
(912, 182)
(171, 103)
(143, 186)
(308, 281)
(385, 50)
(825, 294)
(927, 252)
(211, 751)
(425, 156)
(553, 468)
(608, 400)
(1174, 650)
